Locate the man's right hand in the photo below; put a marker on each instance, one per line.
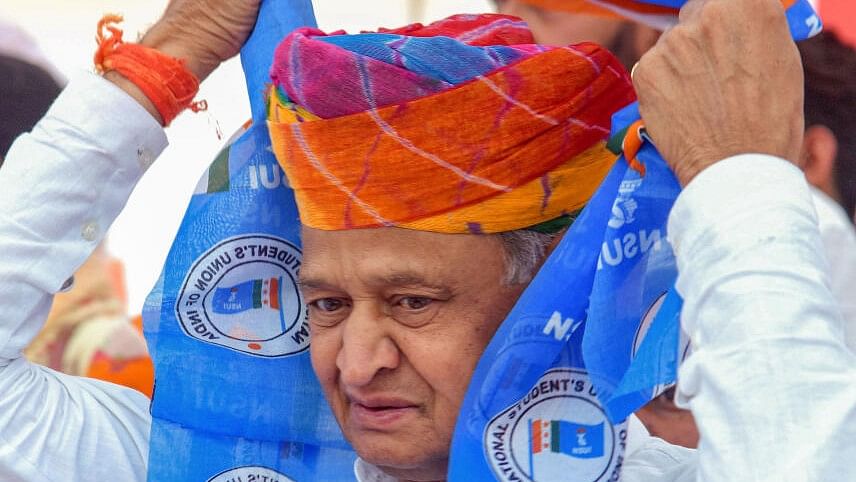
(726, 80)
(203, 32)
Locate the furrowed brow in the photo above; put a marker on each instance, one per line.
(313, 284)
(410, 279)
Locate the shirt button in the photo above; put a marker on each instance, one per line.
(90, 231)
(69, 283)
(145, 157)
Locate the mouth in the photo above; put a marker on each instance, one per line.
(380, 413)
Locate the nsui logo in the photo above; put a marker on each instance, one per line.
(625, 206)
(250, 474)
(242, 294)
(556, 432)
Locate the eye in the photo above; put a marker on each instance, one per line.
(327, 305)
(328, 312)
(414, 303)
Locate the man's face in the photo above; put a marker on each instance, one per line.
(399, 320)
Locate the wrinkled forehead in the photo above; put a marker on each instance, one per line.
(398, 256)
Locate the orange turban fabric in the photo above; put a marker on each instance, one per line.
(463, 126)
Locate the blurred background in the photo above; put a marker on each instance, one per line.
(65, 32)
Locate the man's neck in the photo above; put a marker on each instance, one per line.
(366, 472)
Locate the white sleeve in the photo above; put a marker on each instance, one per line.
(839, 242)
(770, 382)
(61, 187)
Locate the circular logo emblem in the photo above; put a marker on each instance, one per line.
(250, 473)
(557, 430)
(242, 294)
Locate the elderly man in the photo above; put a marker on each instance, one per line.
(402, 309)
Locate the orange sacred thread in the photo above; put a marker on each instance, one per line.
(165, 80)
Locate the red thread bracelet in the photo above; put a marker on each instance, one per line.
(165, 80)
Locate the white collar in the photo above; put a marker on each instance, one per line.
(366, 472)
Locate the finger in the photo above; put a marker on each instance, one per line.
(639, 71)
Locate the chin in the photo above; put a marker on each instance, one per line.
(407, 460)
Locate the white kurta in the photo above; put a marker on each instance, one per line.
(839, 244)
(770, 382)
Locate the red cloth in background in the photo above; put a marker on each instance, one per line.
(840, 16)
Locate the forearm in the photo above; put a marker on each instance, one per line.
(771, 384)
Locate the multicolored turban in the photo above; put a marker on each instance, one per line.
(461, 126)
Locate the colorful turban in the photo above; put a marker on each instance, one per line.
(461, 126)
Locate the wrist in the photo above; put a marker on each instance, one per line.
(686, 171)
(170, 40)
(166, 82)
(691, 166)
(131, 89)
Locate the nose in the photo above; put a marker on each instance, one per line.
(367, 347)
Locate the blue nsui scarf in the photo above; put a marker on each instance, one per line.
(235, 397)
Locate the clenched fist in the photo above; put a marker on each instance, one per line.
(726, 80)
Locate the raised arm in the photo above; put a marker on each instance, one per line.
(770, 383)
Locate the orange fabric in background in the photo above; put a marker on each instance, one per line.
(137, 373)
(435, 162)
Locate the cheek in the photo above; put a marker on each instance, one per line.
(455, 347)
(323, 350)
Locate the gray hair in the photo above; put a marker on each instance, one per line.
(524, 252)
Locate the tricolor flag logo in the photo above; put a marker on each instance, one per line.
(569, 438)
(249, 295)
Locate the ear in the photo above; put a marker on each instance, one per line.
(820, 148)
